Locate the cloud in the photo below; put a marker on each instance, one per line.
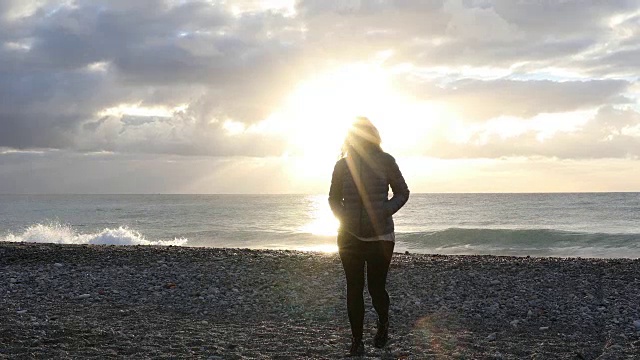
(585, 37)
(611, 133)
(181, 133)
(451, 33)
(561, 17)
(482, 100)
(66, 65)
(63, 65)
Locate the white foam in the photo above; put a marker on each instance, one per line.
(64, 234)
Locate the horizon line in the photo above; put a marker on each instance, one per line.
(316, 194)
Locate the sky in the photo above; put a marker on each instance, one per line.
(178, 96)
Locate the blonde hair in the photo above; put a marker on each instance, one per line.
(362, 137)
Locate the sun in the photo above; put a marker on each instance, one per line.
(313, 120)
(324, 106)
(320, 110)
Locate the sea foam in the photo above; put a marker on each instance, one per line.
(64, 234)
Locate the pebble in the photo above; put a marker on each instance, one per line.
(300, 312)
(13, 280)
(614, 348)
(21, 311)
(58, 264)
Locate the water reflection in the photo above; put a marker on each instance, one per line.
(322, 222)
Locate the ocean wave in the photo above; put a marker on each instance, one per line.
(535, 242)
(64, 234)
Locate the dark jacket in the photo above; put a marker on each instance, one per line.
(359, 193)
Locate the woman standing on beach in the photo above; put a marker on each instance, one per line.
(359, 199)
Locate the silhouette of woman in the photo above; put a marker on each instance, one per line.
(359, 199)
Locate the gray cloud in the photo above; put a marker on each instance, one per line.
(181, 134)
(61, 66)
(481, 100)
(499, 33)
(561, 17)
(152, 53)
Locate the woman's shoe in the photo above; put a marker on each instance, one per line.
(382, 335)
(357, 347)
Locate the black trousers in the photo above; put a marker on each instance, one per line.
(354, 254)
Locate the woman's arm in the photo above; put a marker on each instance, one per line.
(398, 187)
(335, 191)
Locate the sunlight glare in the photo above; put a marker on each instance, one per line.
(320, 110)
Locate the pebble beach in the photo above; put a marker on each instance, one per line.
(98, 301)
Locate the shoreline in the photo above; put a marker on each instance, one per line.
(64, 301)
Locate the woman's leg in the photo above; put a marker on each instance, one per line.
(378, 257)
(352, 259)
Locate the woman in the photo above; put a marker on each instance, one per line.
(359, 199)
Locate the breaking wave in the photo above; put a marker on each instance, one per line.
(64, 234)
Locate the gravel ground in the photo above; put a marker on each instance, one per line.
(93, 301)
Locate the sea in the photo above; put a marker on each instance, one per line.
(601, 225)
